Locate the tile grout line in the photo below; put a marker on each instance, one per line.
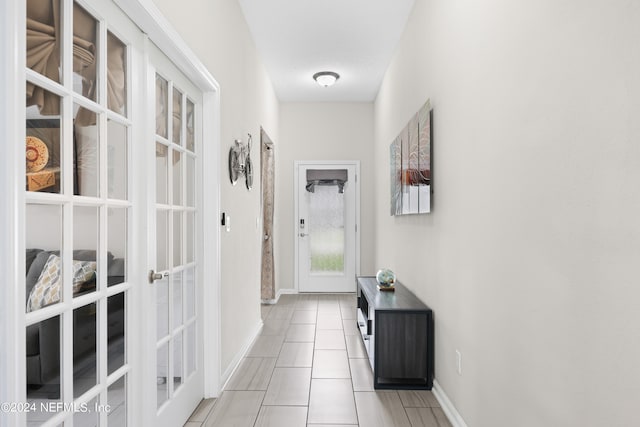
(313, 356)
(434, 417)
(310, 373)
(204, 423)
(272, 373)
(353, 391)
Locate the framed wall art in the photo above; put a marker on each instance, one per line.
(410, 164)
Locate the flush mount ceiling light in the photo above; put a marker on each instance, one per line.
(326, 78)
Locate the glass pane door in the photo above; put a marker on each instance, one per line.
(326, 226)
(326, 230)
(176, 259)
(78, 211)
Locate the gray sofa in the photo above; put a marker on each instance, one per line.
(43, 339)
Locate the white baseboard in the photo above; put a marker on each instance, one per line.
(447, 407)
(239, 356)
(280, 292)
(287, 291)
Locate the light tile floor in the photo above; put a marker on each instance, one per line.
(308, 368)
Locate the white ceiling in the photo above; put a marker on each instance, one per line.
(355, 38)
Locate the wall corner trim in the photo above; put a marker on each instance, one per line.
(447, 406)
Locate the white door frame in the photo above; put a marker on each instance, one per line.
(12, 174)
(12, 170)
(296, 187)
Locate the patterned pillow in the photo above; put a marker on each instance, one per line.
(47, 289)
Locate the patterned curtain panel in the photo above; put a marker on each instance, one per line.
(267, 166)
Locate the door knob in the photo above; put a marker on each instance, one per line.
(266, 237)
(153, 276)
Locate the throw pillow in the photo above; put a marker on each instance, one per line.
(47, 289)
(34, 272)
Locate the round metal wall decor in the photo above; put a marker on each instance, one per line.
(234, 166)
(248, 170)
(240, 162)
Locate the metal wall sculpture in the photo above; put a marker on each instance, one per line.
(240, 162)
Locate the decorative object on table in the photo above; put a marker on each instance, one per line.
(42, 155)
(37, 154)
(44, 179)
(37, 157)
(410, 161)
(240, 162)
(386, 279)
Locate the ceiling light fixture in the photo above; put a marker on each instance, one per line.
(326, 78)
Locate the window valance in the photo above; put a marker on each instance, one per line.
(337, 177)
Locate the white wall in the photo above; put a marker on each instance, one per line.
(530, 257)
(321, 131)
(217, 33)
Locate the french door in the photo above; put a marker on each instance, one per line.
(177, 373)
(112, 190)
(82, 62)
(326, 227)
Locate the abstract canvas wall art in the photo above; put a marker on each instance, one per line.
(410, 165)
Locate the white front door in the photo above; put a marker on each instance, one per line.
(326, 226)
(174, 158)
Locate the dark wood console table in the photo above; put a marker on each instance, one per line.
(397, 331)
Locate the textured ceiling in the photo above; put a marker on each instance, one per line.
(355, 38)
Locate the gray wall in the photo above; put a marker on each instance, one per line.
(530, 257)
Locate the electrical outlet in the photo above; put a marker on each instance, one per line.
(459, 362)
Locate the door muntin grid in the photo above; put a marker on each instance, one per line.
(78, 210)
(175, 162)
